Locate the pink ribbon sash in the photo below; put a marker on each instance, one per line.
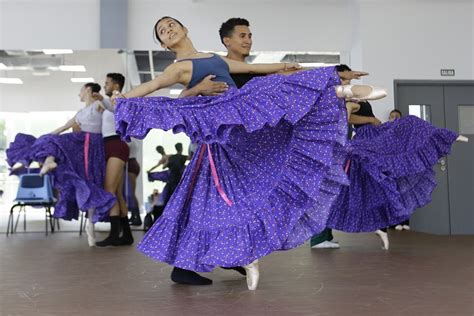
(216, 178)
(86, 153)
(348, 164)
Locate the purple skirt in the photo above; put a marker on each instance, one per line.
(77, 189)
(278, 149)
(391, 174)
(162, 176)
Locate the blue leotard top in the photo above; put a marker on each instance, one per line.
(213, 65)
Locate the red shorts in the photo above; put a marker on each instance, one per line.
(114, 147)
(133, 166)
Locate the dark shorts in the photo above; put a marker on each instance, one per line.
(133, 166)
(114, 147)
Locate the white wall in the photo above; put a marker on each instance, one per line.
(392, 39)
(56, 92)
(277, 25)
(28, 24)
(414, 40)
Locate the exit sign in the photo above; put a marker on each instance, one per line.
(447, 72)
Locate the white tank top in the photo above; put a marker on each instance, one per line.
(108, 124)
(90, 119)
(134, 146)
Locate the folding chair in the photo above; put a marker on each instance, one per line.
(36, 191)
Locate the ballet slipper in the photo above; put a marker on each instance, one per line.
(347, 93)
(17, 166)
(384, 237)
(462, 138)
(90, 230)
(48, 165)
(253, 275)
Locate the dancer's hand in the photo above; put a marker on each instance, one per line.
(292, 66)
(350, 75)
(375, 121)
(76, 128)
(116, 95)
(97, 96)
(209, 87)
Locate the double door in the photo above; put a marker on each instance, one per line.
(447, 104)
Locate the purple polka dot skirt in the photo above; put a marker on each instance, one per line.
(77, 189)
(269, 167)
(391, 174)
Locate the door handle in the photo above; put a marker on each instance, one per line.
(442, 161)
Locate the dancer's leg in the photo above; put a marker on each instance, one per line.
(113, 176)
(135, 220)
(127, 237)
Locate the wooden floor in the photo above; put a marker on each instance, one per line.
(420, 275)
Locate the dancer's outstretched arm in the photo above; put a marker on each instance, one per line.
(238, 67)
(174, 73)
(163, 161)
(65, 127)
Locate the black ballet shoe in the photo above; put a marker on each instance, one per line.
(127, 237)
(241, 270)
(109, 241)
(187, 277)
(135, 219)
(113, 238)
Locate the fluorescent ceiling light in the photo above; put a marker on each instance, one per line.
(11, 80)
(78, 68)
(2, 66)
(85, 80)
(57, 51)
(175, 91)
(41, 73)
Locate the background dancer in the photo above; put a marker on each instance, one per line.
(133, 169)
(76, 161)
(117, 153)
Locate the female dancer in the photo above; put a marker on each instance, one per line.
(76, 160)
(269, 163)
(391, 174)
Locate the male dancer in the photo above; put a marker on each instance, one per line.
(116, 152)
(236, 36)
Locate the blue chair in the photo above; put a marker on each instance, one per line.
(36, 191)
